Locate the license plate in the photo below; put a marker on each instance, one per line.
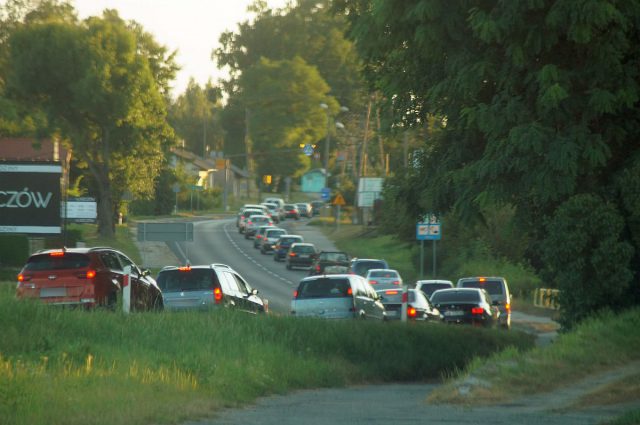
(53, 292)
(454, 313)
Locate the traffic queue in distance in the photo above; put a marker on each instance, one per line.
(339, 286)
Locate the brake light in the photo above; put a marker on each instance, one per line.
(295, 294)
(396, 282)
(217, 295)
(373, 282)
(318, 268)
(349, 291)
(391, 292)
(507, 306)
(184, 268)
(20, 277)
(482, 279)
(411, 312)
(90, 274)
(56, 254)
(292, 254)
(477, 310)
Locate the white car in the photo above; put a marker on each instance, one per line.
(253, 222)
(384, 278)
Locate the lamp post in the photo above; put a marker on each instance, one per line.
(328, 140)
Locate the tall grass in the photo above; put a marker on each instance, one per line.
(77, 367)
(600, 343)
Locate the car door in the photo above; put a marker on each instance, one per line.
(376, 308)
(141, 291)
(113, 270)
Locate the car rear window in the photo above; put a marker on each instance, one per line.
(334, 256)
(455, 296)
(57, 262)
(304, 249)
(289, 241)
(187, 280)
(493, 287)
(363, 267)
(324, 288)
(275, 233)
(432, 287)
(388, 274)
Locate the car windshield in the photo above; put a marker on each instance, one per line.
(441, 297)
(57, 262)
(324, 288)
(187, 280)
(493, 287)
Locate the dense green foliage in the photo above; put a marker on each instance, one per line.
(101, 84)
(170, 367)
(14, 250)
(538, 104)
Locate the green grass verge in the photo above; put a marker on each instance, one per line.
(64, 366)
(598, 344)
(629, 418)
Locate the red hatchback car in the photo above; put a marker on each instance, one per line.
(86, 277)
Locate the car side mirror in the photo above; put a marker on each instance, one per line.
(254, 292)
(145, 272)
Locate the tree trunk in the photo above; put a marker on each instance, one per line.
(100, 171)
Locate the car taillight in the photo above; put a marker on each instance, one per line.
(90, 274)
(477, 310)
(217, 295)
(396, 282)
(295, 294)
(373, 282)
(392, 292)
(411, 312)
(56, 254)
(507, 306)
(349, 291)
(292, 254)
(184, 268)
(22, 278)
(318, 268)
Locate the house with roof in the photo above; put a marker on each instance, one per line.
(313, 181)
(212, 172)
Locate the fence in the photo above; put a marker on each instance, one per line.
(546, 298)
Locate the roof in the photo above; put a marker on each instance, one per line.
(28, 149)
(206, 164)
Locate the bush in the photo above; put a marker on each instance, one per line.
(14, 250)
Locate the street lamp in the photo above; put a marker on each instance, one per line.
(328, 140)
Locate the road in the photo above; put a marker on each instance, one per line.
(218, 241)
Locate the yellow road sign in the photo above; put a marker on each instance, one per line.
(339, 200)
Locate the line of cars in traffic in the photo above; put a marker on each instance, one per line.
(337, 286)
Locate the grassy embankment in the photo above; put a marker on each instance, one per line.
(597, 345)
(77, 367)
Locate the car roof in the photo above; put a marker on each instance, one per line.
(83, 250)
(459, 290)
(303, 244)
(382, 270)
(198, 267)
(433, 282)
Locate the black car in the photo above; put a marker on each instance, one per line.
(207, 286)
(330, 262)
(466, 305)
(316, 207)
(418, 306)
(301, 254)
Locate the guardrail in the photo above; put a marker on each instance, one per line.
(546, 298)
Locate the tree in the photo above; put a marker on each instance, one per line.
(195, 117)
(283, 98)
(98, 89)
(538, 101)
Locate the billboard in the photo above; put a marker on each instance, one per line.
(369, 189)
(81, 210)
(30, 198)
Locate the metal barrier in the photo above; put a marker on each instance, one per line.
(546, 298)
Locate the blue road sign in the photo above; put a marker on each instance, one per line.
(428, 232)
(325, 193)
(307, 150)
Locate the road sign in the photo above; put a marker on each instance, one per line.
(339, 200)
(175, 188)
(428, 231)
(195, 187)
(165, 232)
(307, 150)
(325, 193)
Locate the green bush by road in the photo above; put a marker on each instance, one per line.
(77, 367)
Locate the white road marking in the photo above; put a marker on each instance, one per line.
(250, 258)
